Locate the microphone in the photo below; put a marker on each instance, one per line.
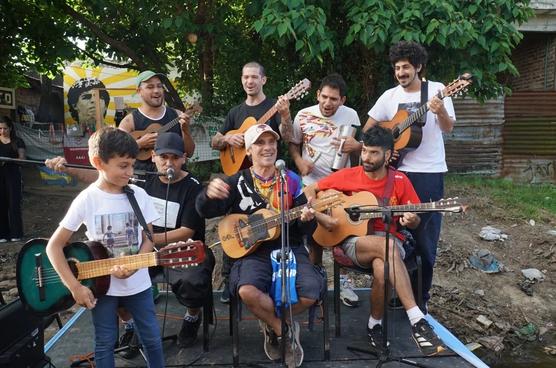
(170, 173)
(281, 166)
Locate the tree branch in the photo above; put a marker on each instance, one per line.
(121, 46)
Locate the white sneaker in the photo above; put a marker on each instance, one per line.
(347, 295)
(3, 240)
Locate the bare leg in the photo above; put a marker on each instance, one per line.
(262, 306)
(377, 291)
(369, 248)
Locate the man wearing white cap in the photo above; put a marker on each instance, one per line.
(251, 277)
(150, 88)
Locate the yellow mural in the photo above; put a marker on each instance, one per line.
(116, 91)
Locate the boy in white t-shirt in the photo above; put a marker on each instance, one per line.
(101, 205)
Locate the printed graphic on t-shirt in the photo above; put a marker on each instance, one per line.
(410, 107)
(314, 127)
(118, 232)
(248, 201)
(168, 210)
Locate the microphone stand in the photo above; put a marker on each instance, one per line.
(75, 166)
(383, 356)
(284, 255)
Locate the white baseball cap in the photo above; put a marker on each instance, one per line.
(254, 132)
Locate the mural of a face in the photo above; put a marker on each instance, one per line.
(82, 104)
(85, 107)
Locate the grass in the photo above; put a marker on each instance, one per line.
(527, 201)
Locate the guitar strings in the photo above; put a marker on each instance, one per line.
(50, 275)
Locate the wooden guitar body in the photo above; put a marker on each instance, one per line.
(145, 153)
(408, 138)
(346, 226)
(241, 234)
(239, 239)
(232, 158)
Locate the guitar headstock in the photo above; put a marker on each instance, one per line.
(299, 90)
(193, 109)
(182, 254)
(458, 86)
(450, 205)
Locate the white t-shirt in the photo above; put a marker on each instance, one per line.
(315, 133)
(429, 157)
(110, 219)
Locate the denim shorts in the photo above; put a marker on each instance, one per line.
(256, 269)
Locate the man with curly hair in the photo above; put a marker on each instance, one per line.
(424, 166)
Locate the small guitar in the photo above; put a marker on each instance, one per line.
(402, 121)
(358, 227)
(232, 158)
(145, 153)
(241, 234)
(42, 292)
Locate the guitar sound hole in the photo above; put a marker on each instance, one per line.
(72, 263)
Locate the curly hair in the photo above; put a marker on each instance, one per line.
(408, 50)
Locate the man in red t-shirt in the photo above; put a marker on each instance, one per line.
(368, 251)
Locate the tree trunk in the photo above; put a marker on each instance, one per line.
(206, 56)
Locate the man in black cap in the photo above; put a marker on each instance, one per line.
(190, 285)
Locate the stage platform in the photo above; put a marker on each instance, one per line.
(78, 340)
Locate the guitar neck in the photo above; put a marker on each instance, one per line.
(267, 115)
(296, 212)
(421, 207)
(411, 119)
(168, 126)
(101, 267)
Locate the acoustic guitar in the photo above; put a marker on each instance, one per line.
(358, 227)
(402, 121)
(146, 153)
(233, 158)
(241, 234)
(42, 292)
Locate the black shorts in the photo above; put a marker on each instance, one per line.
(256, 269)
(192, 285)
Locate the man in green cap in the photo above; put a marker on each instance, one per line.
(150, 88)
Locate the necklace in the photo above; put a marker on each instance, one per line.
(264, 186)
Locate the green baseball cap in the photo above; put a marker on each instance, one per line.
(146, 75)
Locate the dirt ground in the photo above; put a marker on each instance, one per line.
(515, 325)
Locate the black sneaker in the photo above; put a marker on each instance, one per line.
(426, 338)
(129, 341)
(271, 343)
(376, 336)
(225, 297)
(188, 332)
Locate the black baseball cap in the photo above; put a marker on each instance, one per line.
(169, 142)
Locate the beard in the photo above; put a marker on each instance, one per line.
(372, 167)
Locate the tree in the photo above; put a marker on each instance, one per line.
(476, 36)
(209, 40)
